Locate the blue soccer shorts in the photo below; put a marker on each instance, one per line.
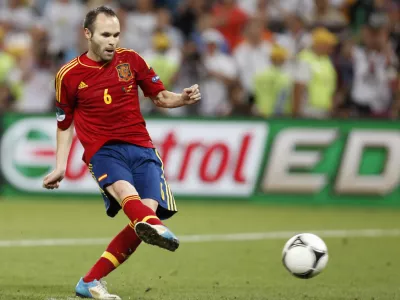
(142, 167)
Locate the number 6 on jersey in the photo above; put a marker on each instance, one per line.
(107, 97)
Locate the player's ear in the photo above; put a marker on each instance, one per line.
(88, 33)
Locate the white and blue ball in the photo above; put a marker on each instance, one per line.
(305, 255)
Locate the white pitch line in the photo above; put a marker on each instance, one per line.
(254, 236)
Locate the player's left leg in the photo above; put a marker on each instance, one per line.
(117, 252)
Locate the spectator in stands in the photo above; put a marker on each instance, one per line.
(326, 15)
(164, 57)
(273, 86)
(252, 55)
(5, 97)
(170, 5)
(360, 11)
(14, 61)
(191, 69)
(296, 37)
(395, 113)
(221, 74)
(394, 19)
(375, 68)
(18, 15)
(91, 4)
(7, 64)
(37, 94)
(164, 24)
(315, 77)
(345, 72)
(188, 15)
(204, 23)
(50, 29)
(230, 20)
(279, 10)
(63, 20)
(239, 104)
(140, 25)
(250, 7)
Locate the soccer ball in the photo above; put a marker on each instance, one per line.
(305, 255)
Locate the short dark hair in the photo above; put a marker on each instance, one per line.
(91, 16)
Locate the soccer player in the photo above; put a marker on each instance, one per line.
(97, 93)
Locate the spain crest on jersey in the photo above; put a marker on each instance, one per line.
(124, 72)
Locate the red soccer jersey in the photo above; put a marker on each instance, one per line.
(102, 100)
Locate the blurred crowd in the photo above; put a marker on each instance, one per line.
(269, 58)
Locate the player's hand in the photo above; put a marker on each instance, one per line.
(191, 95)
(52, 181)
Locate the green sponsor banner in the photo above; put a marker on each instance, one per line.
(278, 160)
(331, 162)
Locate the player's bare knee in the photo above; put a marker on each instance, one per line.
(153, 204)
(121, 189)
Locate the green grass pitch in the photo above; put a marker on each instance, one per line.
(360, 268)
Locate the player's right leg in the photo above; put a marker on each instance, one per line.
(95, 290)
(117, 252)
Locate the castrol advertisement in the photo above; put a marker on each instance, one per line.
(201, 157)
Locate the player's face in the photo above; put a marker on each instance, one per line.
(105, 37)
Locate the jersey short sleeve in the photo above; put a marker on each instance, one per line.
(65, 103)
(147, 79)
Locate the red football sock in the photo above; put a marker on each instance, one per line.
(138, 212)
(118, 251)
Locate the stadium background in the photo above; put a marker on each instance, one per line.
(248, 165)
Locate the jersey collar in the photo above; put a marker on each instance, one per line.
(84, 60)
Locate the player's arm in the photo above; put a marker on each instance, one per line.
(152, 87)
(65, 132)
(167, 99)
(64, 141)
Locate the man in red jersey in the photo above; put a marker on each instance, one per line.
(97, 93)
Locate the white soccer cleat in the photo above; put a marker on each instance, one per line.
(95, 290)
